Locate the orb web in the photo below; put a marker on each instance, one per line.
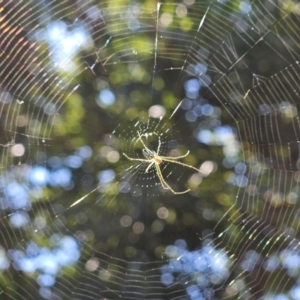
(80, 81)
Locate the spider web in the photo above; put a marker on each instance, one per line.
(80, 81)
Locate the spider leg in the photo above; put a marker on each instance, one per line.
(140, 138)
(150, 165)
(163, 182)
(175, 157)
(161, 179)
(137, 159)
(178, 162)
(159, 144)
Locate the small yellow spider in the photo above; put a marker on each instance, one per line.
(153, 158)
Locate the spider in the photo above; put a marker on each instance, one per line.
(154, 159)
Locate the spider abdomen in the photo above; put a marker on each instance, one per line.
(149, 154)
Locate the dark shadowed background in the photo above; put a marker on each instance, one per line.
(80, 81)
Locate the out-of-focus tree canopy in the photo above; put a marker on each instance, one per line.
(86, 87)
